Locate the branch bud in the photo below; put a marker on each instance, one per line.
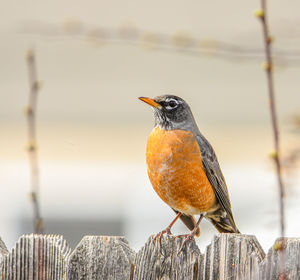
(270, 39)
(31, 147)
(279, 245)
(36, 85)
(182, 40)
(259, 13)
(273, 155)
(28, 110)
(267, 66)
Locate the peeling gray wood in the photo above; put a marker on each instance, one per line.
(101, 257)
(232, 256)
(229, 256)
(36, 257)
(161, 262)
(270, 268)
(3, 250)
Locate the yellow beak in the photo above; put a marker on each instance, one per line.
(151, 102)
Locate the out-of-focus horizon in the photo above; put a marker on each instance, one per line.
(92, 129)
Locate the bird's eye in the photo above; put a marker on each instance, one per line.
(172, 103)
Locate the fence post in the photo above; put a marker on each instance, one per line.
(3, 250)
(101, 257)
(160, 261)
(232, 256)
(270, 267)
(36, 257)
(228, 256)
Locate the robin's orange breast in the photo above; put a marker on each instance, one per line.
(176, 172)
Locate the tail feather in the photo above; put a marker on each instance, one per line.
(223, 222)
(189, 221)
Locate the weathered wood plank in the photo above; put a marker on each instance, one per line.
(36, 257)
(229, 256)
(3, 250)
(101, 257)
(271, 266)
(160, 261)
(232, 256)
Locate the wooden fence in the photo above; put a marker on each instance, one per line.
(229, 256)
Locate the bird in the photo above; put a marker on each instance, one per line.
(184, 170)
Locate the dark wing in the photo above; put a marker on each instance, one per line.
(216, 179)
(189, 221)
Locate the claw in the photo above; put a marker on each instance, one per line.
(182, 235)
(160, 235)
(167, 230)
(187, 238)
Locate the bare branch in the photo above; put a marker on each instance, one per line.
(32, 143)
(180, 42)
(268, 66)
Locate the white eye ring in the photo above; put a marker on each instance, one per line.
(172, 103)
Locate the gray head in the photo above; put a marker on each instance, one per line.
(171, 112)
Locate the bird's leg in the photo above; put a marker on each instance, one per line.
(190, 235)
(167, 230)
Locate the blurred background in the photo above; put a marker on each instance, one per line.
(94, 59)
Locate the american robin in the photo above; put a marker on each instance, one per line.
(184, 170)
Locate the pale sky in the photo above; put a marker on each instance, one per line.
(101, 83)
(89, 91)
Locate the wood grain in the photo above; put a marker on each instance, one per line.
(101, 257)
(232, 256)
(228, 256)
(270, 267)
(155, 261)
(3, 250)
(36, 257)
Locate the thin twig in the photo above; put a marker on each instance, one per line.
(32, 146)
(180, 42)
(268, 66)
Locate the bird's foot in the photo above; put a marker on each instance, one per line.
(160, 235)
(182, 235)
(187, 238)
